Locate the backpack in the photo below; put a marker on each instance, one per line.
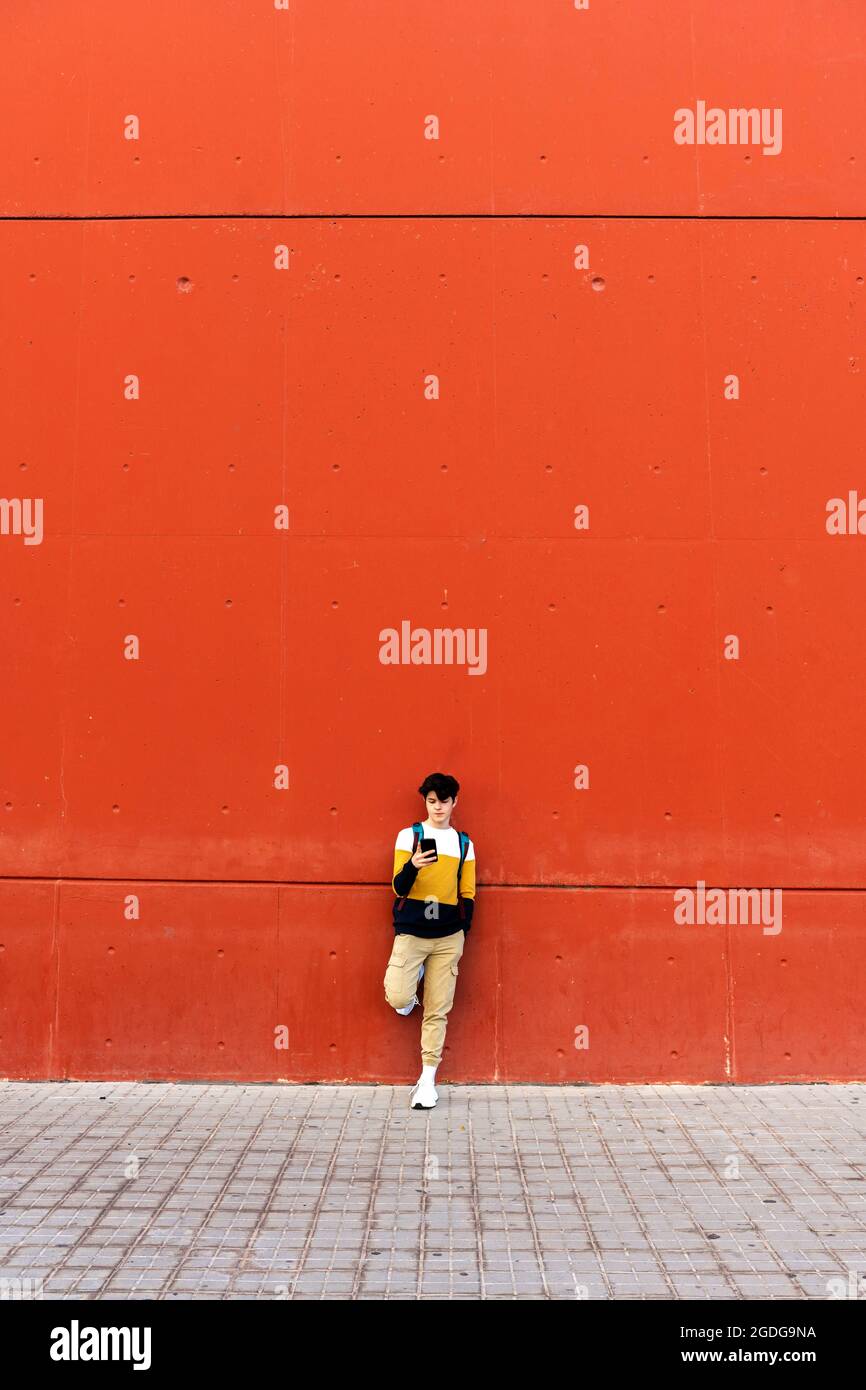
(417, 834)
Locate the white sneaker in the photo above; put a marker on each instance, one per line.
(424, 1095)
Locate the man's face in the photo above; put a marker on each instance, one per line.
(439, 812)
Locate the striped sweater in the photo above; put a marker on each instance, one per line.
(431, 907)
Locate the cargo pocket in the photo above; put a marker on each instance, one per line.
(398, 950)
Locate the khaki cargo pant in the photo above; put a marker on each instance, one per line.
(441, 959)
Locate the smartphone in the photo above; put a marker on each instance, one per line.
(428, 843)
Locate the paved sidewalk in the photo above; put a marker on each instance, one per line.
(138, 1190)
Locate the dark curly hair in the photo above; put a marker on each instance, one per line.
(442, 784)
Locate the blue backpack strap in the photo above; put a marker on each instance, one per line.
(464, 850)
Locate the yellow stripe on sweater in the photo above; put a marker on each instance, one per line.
(439, 880)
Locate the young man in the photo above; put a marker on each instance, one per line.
(435, 894)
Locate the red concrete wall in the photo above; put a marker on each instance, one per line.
(164, 907)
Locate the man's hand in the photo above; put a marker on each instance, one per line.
(421, 858)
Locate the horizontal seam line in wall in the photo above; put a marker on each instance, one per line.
(353, 883)
(433, 217)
